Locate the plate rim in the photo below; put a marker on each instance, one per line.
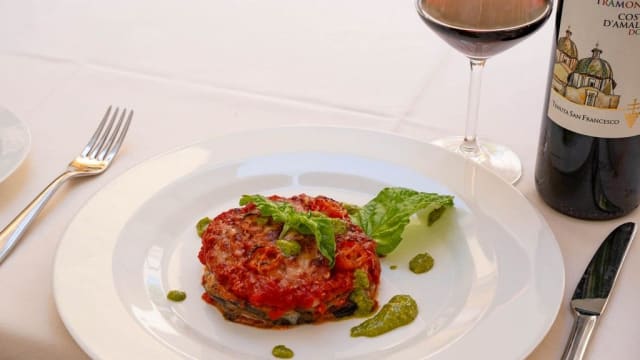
(26, 149)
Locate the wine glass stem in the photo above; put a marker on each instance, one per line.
(470, 145)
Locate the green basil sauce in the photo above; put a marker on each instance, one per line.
(359, 295)
(399, 311)
(282, 352)
(288, 247)
(176, 295)
(421, 263)
(202, 224)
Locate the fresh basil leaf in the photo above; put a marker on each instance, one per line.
(322, 229)
(385, 216)
(279, 211)
(317, 224)
(351, 208)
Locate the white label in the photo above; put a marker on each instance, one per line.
(595, 88)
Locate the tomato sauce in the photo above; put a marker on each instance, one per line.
(239, 249)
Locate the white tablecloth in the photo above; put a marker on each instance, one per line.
(194, 69)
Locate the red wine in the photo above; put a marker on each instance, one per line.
(588, 163)
(483, 28)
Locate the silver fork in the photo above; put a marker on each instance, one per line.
(94, 159)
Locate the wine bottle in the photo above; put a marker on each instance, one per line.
(588, 162)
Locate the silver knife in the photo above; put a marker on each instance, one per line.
(591, 295)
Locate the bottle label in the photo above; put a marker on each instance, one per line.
(595, 89)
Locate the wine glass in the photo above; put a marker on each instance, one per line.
(480, 29)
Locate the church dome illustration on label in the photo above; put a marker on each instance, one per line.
(595, 66)
(566, 50)
(588, 81)
(566, 61)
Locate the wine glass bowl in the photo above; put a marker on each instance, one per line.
(480, 29)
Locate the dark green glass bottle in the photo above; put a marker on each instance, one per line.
(588, 163)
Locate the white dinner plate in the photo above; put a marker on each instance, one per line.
(493, 293)
(15, 142)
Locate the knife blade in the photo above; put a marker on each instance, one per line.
(594, 289)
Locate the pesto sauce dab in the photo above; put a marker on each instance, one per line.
(421, 263)
(282, 352)
(176, 295)
(365, 304)
(401, 310)
(288, 247)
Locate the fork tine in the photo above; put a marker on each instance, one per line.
(116, 146)
(109, 143)
(103, 137)
(96, 134)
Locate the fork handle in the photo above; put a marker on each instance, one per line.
(13, 232)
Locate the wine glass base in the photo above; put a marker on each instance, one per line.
(496, 158)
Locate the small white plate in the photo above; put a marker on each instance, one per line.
(15, 142)
(493, 294)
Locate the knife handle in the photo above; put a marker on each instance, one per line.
(580, 334)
